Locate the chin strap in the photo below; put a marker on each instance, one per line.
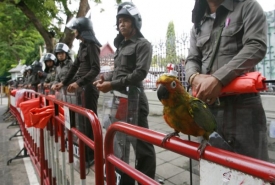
(198, 13)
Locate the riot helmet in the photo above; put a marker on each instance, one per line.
(28, 68)
(50, 56)
(36, 66)
(130, 10)
(80, 24)
(61, 47)
(84, 27)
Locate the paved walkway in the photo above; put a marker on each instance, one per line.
(15, 173)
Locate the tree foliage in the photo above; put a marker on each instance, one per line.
(31, 20)
(171, 55)
(17, 37)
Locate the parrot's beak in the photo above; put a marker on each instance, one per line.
(162, 92)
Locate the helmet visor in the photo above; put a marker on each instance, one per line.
(132, 10)
(61, 47)
(72, 24)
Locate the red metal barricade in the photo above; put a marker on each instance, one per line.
(43, 145)
(257, 168)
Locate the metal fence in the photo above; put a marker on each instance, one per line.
(267, 65)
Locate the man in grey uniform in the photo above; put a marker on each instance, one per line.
(242, 45)
(132, 62)
(65, 62)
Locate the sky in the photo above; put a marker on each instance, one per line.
(156, 15)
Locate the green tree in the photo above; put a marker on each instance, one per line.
(171, 55)
(43, 13)
(33, 20)
(17, 37)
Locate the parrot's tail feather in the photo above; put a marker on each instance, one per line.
(217, 141)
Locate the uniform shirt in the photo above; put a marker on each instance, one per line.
(86, 66)
(51, 75)
(62, 70)
(132, 63)
(242, 44)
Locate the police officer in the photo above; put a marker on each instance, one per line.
(132, 62)
(83, 73)
(227, 40)
(27, 77)
(61, 52)
(50, 63)
(35, 75)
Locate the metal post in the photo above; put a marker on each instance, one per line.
(1, 91)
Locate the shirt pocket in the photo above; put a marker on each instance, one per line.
(128, 57)
(82, 55)
(231, 38)
(203, 44)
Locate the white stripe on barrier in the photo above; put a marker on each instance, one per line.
(52, 156)
(64, 179)
(29, 167)
(83, 182)
(71, 172)
(56, 157)
(12, 101)
(215, 174)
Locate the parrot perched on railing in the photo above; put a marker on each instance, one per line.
(187, 114)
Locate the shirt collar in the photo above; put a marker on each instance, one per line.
(132, 39)
(228, 4)
(64, 62)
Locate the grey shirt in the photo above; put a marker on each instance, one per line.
(51, 75)
(132, 63)
(242, 45)
(62, 70)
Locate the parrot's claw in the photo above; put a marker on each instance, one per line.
(202, 146)
(168, 136)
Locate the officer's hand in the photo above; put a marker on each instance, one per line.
(53, 87)
(104, 87)
(58, 86)
(209, 89)
(100, 81)
(72, 87)
(46, 85)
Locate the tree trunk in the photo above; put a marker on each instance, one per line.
(47, 36)
(68, 37)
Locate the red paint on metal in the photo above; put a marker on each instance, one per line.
(257, 168)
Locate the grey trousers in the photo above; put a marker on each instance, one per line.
(242, 123)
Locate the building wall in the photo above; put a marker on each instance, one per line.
(106, 51)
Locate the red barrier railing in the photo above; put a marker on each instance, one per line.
(96, 145)
(42, 161)
(257, 168)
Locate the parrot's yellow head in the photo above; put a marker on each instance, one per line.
(169, 88)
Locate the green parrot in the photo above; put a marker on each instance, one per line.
(185, 113)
